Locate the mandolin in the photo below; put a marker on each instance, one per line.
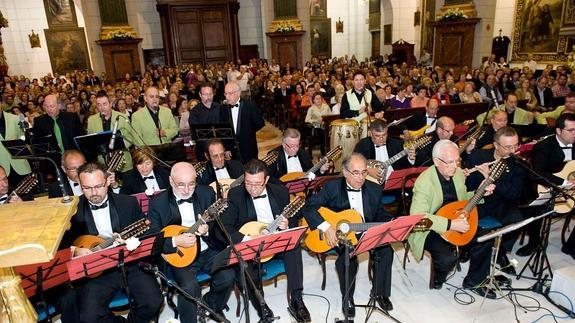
(383, 166)
(185, 256)
(346, 224)
(475, 135)
(254, 228)
(24, 187)
(228, 183)
(331, 155)
(562, 204)
(115, 162)
(467, 209)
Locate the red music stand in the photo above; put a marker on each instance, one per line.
(144, 200)
(37, 278)
(96, 262)
(396, 178)
(298, 185)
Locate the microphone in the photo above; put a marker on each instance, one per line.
(23, 123)
(114, 132)
(494, 99)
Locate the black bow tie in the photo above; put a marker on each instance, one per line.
(219, 168)
(97, 207)
(292, 156)
(567, 148)
(3, 198)
(376, 146)
(75, 184)
(237, 105)
(188, 200)
(148, 177)
(260, 197)
(350, 189)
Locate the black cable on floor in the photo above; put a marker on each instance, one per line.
(327, 300)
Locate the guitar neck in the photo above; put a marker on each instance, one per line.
(396, 157)
(287, 213)
(317, 166)
(237, 182)
(479, 193)
(360, 227)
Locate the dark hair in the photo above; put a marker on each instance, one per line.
(505, 131)
(570, 95)
(358, 73)
(560, 123)
(203, 85)
(213, 142)
(91, 167)
(378, 125)
(142, 154)
(101, 94)
(508, 94)
(256, 166)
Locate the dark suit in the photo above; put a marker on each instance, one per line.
(134, 184)
(394, 146)
(55, 191)
(241, 210)
(98, 292)
(417, 121)
(250, 120)
(164, 211)
(70, 127)
(202, 115)
(279, 98)
(547, 158)
(486, 138)
(234, 168)
(547, 97)
(279, 167)
(378, 106)
(334, 196)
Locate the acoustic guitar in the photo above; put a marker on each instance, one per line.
(95, 243)
(467, 209)
(562, 204)
(346, 224)
(254, 228)
(222, 186)
(383, 166)
(331, 155)
(23, 187)
(477, 134)
(185, 256)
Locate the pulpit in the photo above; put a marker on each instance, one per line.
(121, 57)
(287, 48)
(453, 43)
(403, 52)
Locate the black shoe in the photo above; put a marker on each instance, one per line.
(299, 310)
(350, 308)
(526, 250)
(566, 251)
(384, 303)
(505, 266)
(437, 284)
(502, 280)
(481, 291)
(464, 257)
(266, 315)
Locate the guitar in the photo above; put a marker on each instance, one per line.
(346, 224)
(200, 167)
(24, 187)
(254, 228)
(384, 165)
(228, 183)
(475, 135)
(185, 256)
(562, 204)
(467, 209)
(115, 162)
(331, 155)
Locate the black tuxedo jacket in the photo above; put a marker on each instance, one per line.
(378, 106)
(417, 121)
(134, 184)
(394, 146)
(70, 127)
(279, 167)
(234, 168)
(124, 210)
(279, 98)
(163, 211)
(486, 138)
(547, 97)
(333, 195)
(547, 158)
(202, 115)
(250, 120)
(55, 191)
(241, 210)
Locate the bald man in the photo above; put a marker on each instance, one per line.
(62, 125)
(182, 204)
(154, 125)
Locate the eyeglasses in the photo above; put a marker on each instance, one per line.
(182, 186)
(254, 185)
(71, 169)
(448, 131)
(451, 162)
(509, 147)
(97, 187)
(292, 146)
(569, 130)
(357, 173)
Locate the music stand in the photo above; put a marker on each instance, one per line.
(396, 177)
(201, 133)
(38, 278)
(96, 144)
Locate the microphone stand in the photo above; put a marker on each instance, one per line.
(170, 283)
(65, 198)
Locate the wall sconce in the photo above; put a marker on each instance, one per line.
(339, 26)
(34, 40)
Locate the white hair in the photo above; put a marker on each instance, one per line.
(440, 147)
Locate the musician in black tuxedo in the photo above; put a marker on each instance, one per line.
(181, 204)
(71, 161)
(503, 204)
(6, 195)
(444, 130)
(217, 166)
(354, 192)
(102, 214)
(381, 147)
(206, 112)
(69, 125)
(258, 200)
(282, 94)
(291, 157)
(498, 121)
(246, 119)
(548, 157)
(147, 176)
(420, 118)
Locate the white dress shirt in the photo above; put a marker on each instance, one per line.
(222, 173)
(382, 155)
(188, 215)
(151, 184)
(103, 221)
(567, 152)
(235, 115)
(356, 201)
(263, 208)
(76, 189)
(293, 164)
(432, 123)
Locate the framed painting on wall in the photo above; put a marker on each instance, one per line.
(60, 13)
(318, 8)
(538, 28)
(320, 37)
(68, 50)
